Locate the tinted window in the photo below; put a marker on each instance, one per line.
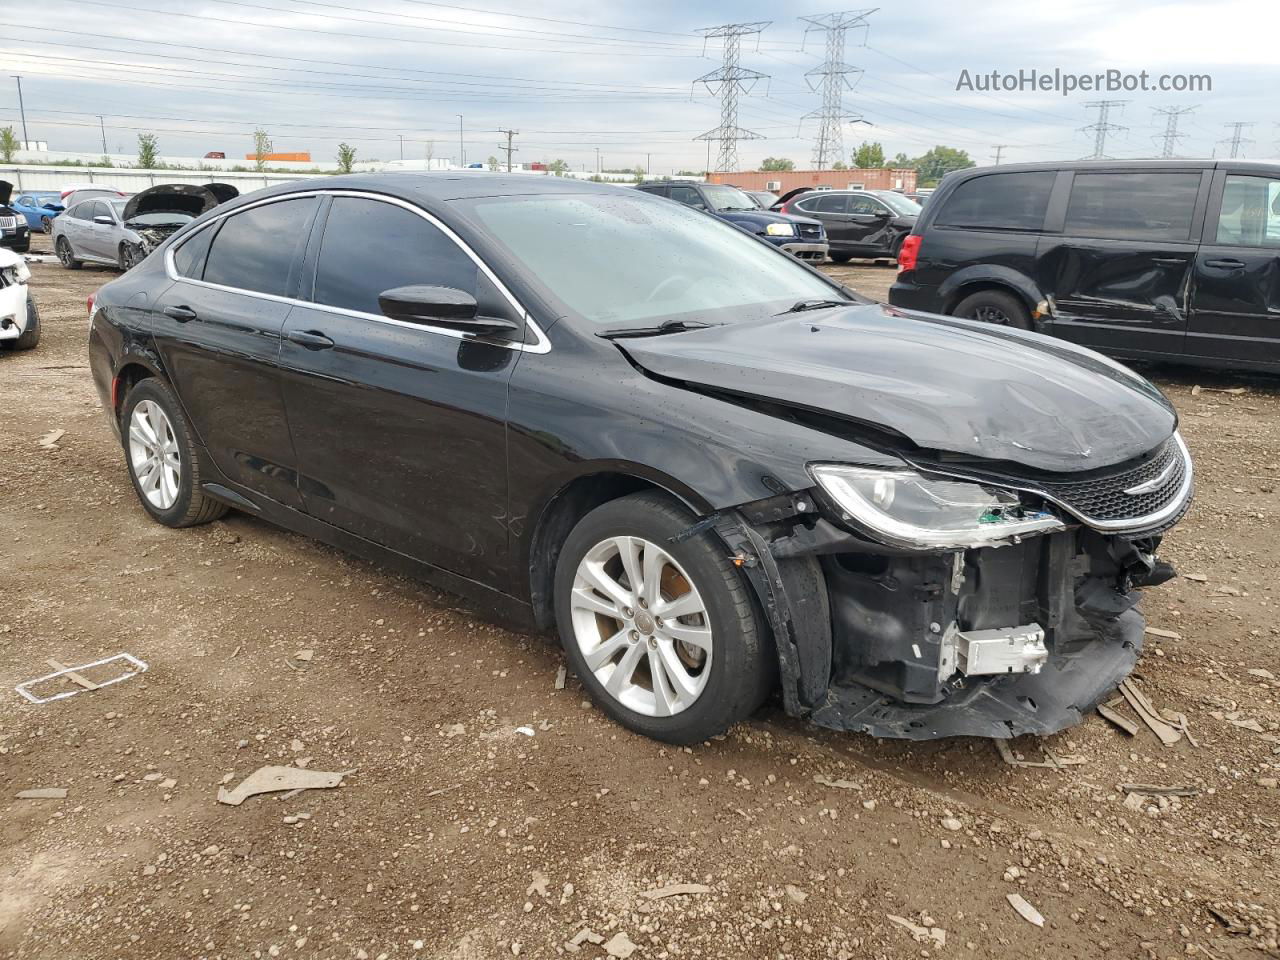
(189, 258)
(687, 195)
(370, 247)
(99, 209)
(256, 250)
(80, 211)
(829, 204)
(1140, 206)
(1008, 201)
(866, 206)
(1250, 214)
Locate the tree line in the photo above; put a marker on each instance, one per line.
(930, 167)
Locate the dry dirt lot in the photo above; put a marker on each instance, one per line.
(458, 837)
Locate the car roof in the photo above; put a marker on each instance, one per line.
(1118, 166)
(452, 185)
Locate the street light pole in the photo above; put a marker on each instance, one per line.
(22, 110)
(462, 151)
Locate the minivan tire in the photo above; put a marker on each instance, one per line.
(191, 507)
(996, 307)
(742, 663)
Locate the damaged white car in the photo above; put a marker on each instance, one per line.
(19, 319)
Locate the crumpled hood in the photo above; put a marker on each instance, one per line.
(947, 384)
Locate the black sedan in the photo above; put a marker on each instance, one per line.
(712, 470)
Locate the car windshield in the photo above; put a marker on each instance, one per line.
(725, 199)
(902, 206)
(631, 258)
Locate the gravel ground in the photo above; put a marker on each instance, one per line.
(459, 836)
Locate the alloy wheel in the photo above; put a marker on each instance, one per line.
(990, 315)
(46, 224)
(64, 252)
(642, 626)
(153, 454)
(131, 256)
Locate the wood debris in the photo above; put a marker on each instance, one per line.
(273, 779)
(1025, 910)
(1051, 763)
(562, 674)
(43, 793)
(919, 934)
(1163, 634)
(1167, 733)
(1153, 790)
(49, 440)
(1120, 720)
(71, 675)
(838, 784)
(675, 890)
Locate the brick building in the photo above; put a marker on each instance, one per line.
(859, 178)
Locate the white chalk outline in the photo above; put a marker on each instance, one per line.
(139, 666)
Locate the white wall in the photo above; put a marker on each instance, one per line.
(38, 177)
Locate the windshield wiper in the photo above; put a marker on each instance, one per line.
(803, 305)
(667, 326)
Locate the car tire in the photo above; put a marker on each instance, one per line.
(31, 335)
(994, 306)
(716, 660)
(161, 457)
(46, 224)
(841, 257)
(66, 255)
(129, 256)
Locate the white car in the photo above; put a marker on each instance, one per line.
(19, 320)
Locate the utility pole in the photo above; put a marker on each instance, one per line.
(102, 127)
(1171, 136)
(462, 151)
(22, 110)
(1102, 127)
(726, 83)
(834, 74)
(597, 161)
(509, 148)
(1237, 138)
(648, 157)
(401, 146)
(999, 149)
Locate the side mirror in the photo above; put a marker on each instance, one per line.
(440, 307)
(104, 220)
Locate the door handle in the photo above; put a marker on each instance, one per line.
(182, 313)
(1228, 263)
(311, 339)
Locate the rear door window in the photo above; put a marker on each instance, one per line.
(188, 259)
(687, 195)
(866, 206)
(1000, 201)
(829, 204)
(257, 250)
(1250, 214)
(370, 246)
(1132, 206)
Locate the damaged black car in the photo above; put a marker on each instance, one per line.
(714, 472)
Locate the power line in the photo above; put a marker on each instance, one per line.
(727, 82)
(1171, 136)
(1237, 138)
(1101, 128)
(834, 74)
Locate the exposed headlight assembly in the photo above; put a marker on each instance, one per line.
(903, 508)
(780, 230)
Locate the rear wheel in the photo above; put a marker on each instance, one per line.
(162, 459)
(995, 306)
(663, 634)
(65, 254)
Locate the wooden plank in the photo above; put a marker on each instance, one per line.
(1119, 719)
(1167, 733)
(72, 675)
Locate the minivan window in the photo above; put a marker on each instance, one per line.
(255, 250)
(188, 259)
(1132, 206)
(370, 246)
(1000, 201)
(1250, 214)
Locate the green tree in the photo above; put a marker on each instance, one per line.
(148, 151)
(777, 164)
(346, 157)
(868, 155)
(558, 167)
(8, 144)
(261, 149)
(938, 162)
(493, 163)
(839, 165)
(104, 161)
(902, 160)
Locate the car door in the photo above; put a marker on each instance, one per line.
(218, 329)
(1117, 261)
(400, 427)
(1235, 299)
(98, 236)
(832, 209)
(869, 224)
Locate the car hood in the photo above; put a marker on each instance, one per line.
(189, 198)
(764, 217)
(6, 191)
(947, 385)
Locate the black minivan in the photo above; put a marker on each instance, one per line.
(1153, 259)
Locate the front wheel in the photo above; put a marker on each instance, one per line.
(65, 255)
(46, 224)
(665, 635)
(841, 257)
(162, 459)
(31, 334)
(130, 256)
(994, 306)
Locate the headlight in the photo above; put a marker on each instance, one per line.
(903, 508)
(780, 230)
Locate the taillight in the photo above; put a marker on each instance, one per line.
(91, 299)
(909, 253)
(785, 208)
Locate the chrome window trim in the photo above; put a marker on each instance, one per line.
(540, 345)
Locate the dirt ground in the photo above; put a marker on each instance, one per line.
(458, 836)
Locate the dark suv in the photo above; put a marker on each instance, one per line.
(860, 223)
(1161, 260)
(801, 236)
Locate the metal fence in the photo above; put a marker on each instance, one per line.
(42, 177)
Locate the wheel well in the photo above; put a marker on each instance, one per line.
(126, 379)
(977, 286)
(561, 515)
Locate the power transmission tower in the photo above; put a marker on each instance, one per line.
(999, 149)
(834, 74)
(726, 83)
(509, 148)
(1102, 127)
(1171, 136)
(1237, 138)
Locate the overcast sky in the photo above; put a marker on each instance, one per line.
(574, 77)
